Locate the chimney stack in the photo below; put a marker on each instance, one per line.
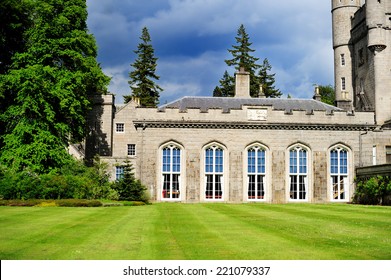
(242, 84)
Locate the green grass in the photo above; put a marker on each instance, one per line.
(197, 231)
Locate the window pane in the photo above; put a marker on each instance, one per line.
(251, 187)
(303, 161)
(251, 161)
(293, 161)
(166, 160)
(219, 160)
(261, 161)
(260, 187)
(218, 187)
(209, 187)
(334, 161)
(209, 161)
(293, 187)
(343, 162)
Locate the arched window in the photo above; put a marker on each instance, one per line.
(214, 172)
(256, 173)
(171, 172)
(339, 171)
(298, 173)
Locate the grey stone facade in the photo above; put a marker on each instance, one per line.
(242, 149)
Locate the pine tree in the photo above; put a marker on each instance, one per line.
(227, 86)
(143, 76)
(128, 187)
(242, 58)
(48, 87)
(241, 53)
(267, 80)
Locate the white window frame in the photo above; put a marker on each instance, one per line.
(131, 150)
(213, 173)
(118, 126)
(342, 178)
(257, 173)
(298, 174)
(172, 173)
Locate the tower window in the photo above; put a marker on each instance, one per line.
(343, 83)
(343, 61)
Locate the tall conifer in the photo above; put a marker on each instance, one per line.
(267, 80)
(242, 57)
(143, 76)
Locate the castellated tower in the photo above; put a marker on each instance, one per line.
(362, 56)
(342, 12)
(377, 83)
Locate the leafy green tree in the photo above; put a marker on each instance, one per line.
(15, 20)
(328, 94)
(128, 187)
(143, 76)
(48, 87)
(267, 80)
(227, 86)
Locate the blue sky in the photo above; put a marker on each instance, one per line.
(191, 38)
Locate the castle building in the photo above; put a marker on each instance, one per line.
(243, 149)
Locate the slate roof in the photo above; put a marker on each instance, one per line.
(232, 103)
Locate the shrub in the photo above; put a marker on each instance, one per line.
(374, 191)
(79, 203)
(129, 188)
(133, 203)
(72, 181)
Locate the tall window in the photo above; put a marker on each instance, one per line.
(298, 176)
(214, 172)
(343, 62)
(256, 171)
(339, 173)
(171, 171)
(343, 83)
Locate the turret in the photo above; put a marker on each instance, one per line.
(342, 12)
(376, 22)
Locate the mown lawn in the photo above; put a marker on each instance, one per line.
(197, 231)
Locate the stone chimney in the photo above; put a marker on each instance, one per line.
(242, 84)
